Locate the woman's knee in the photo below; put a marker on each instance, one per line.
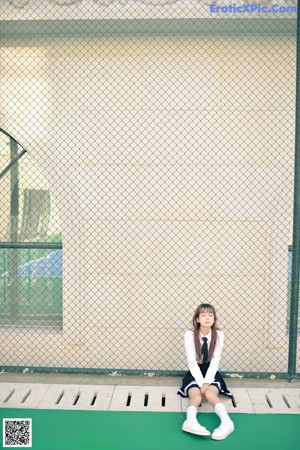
(211, 394)
(195, 396)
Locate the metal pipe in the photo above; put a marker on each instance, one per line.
(294, 302)
(30, 245)
(14, 232)
(12, 163)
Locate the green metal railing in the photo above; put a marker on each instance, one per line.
(31, 294)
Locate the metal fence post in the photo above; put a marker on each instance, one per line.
(14, 220)
(292, 358)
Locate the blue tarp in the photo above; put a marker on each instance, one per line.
(48, 266)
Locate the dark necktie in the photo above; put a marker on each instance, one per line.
(204, 350)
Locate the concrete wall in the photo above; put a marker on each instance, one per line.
(171, 162)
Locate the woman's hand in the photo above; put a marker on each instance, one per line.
(203, 390)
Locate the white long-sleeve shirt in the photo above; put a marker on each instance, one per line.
(192, 361)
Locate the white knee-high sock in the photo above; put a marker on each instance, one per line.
(191, 414)
(222, 413)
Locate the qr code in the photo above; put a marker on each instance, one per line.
(17, 433)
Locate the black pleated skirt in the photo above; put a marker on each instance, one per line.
(188, 382)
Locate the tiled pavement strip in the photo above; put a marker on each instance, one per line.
(140, 394)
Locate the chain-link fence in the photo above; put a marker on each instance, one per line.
(158, 174)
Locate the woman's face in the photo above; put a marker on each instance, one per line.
(206, 318)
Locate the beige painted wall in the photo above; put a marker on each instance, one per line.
(171, 161)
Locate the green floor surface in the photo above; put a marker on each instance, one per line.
(112, 430)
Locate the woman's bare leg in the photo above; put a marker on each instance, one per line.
(194, 397)
(226, 426)
(212, 395)
(191, 424)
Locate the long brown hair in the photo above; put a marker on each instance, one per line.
(196, 330)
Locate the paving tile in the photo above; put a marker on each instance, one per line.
(85, 397)
(21, 395)
(275, 401)
(145, 398)
(241, 402)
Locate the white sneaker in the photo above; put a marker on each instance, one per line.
(223, 431)
(195, 428)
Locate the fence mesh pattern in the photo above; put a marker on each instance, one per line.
(158, 174)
